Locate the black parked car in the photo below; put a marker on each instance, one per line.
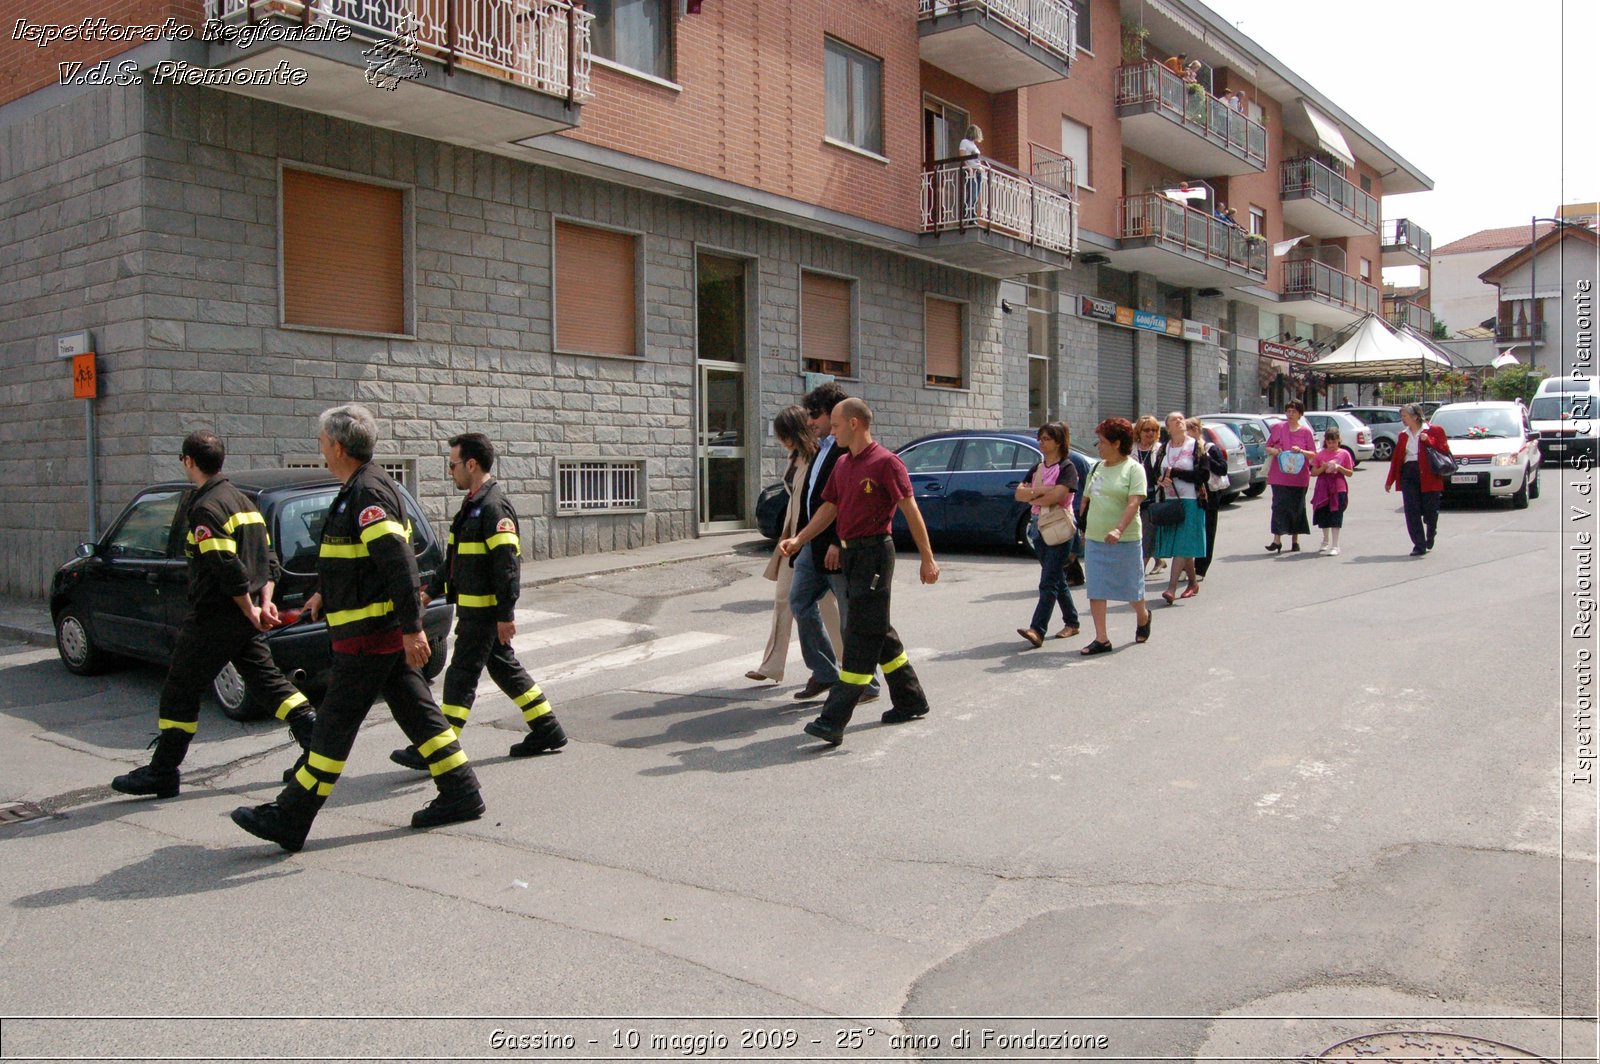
(125, 596)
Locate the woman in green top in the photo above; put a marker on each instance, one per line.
(1113, 562)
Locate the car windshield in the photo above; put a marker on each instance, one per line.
(1561, 407)
(1479, 423)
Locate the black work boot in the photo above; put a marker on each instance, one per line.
(148, 782)
(546, 735)
(408, 757)
(459, 800)
(301, 726)
(270, 822)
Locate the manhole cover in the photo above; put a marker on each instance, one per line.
(16, 814)
(1424, 1045)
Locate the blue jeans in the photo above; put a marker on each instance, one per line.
(806, 589)
(1052, 581)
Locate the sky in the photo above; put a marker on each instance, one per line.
(1496, 102)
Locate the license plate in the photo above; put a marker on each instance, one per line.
(1558, 446)
(1464, 478)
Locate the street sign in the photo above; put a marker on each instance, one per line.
(84, 380)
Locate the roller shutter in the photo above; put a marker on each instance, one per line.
(1116, 373)
(1172, 376)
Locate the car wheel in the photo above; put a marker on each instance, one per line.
(233, 696)
(1382, 450)
(435, 663)
(1519, 501)
(1255, 489)
(1533, 489)
(77, 648)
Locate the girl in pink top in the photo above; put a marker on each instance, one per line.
(1331, 497)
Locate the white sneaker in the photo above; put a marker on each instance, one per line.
(1334, 551)
(1322, 549)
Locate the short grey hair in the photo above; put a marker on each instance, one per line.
(1415, 410)
(352, 427)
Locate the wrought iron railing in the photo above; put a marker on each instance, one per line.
(1404, 233)
(1308, 178)
(1519, 331)
(1154, 216)
(1405, 312)
(1304, 278)
(1050, 24)
(1147, 85)
(977, 193)
(539, 44)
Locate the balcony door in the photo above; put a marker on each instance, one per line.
(723, 401)
(943, 126)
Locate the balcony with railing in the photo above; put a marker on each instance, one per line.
(473, 72)
(1184, 246)
(1405, 312)
(984, 216)
(1180, 124)
(1316, 292)
(998, 45)
(1405, 243)
(1520, 331)
(1323, 202)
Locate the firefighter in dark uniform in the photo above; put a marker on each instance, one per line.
(865, 489)
(370, 593)
(232, 571)
(482, 575)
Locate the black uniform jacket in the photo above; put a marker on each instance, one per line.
(229, 550)
(812, 502)
(365, 565)
(482, 571)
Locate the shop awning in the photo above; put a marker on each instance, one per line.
(1328, 136)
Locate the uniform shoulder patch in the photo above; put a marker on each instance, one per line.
(506, 525)
(202, 532)
(370, 515)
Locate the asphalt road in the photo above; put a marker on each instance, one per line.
(1327, 799)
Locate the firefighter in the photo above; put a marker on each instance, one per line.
(371, 595)
(232, 570)
(482, 576)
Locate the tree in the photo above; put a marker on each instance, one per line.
(1515, 382)
(1441, 331)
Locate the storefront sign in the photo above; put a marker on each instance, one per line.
(1285, 352)
(1097, 309)
(1105, 310)
(1199, 332)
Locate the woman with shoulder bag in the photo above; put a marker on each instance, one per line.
(1412, 468)
(792, 428)
(1216, 459)
(1147, 452)
(1183, 476)
(1049, 488)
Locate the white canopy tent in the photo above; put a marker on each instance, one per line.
(1377, 352)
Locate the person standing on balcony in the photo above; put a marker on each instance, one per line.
(1176, 63)
(971, 172)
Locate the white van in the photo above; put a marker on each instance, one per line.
(1565, 412)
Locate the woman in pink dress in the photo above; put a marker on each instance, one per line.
(1290, 447)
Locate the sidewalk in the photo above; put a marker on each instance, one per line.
(28, 620)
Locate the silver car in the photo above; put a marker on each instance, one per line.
(1253, 430)
(1385, 425)
(1354, 436)
(1238, 465)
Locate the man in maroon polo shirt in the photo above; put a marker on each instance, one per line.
(860, 500)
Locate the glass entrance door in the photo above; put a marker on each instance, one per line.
(722, 417)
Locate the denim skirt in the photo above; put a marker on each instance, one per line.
(1114, 571)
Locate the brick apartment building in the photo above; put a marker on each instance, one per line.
(619, 238)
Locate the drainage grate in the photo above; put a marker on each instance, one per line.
(1424, 1045)
(16, 814)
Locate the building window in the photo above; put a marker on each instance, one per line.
(826, 335)
(1258, 221)
(1366, 269)
(1075, 146)
(402, 470)
(599, 485)
(344, 254)
(1081, 9)
(855, 97)
(943, 340)
(597, 290)
(1366, 183)
(634, 33)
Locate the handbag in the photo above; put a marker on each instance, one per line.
(1291, 463)
(1166, 512)
(1056, 525)
(1441, 463)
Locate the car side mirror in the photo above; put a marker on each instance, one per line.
(85, 550)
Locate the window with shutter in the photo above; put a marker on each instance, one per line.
(942, 326)
(826, 341)
(343, 254)
(597, 295)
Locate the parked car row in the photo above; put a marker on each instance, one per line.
(124, 596)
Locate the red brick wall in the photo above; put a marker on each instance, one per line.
(25, 67)
(751, 109)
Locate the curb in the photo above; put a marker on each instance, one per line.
(27, 634)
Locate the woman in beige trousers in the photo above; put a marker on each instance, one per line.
(793, 431)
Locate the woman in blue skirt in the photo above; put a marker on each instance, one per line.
(1183, 470)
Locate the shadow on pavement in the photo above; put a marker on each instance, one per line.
(170, 872)
(768, 753)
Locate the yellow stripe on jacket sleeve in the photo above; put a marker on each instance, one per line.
(382, 528)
